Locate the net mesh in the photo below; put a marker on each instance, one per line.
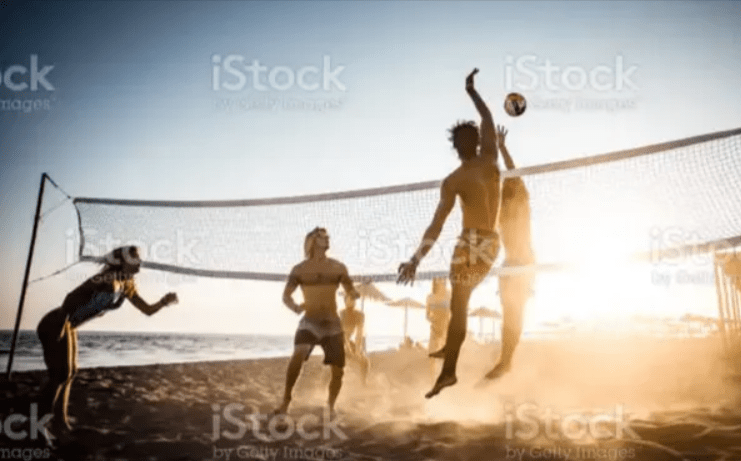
(645, 202)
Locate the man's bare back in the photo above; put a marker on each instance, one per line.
(476, 182)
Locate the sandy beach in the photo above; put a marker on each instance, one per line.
(581, 398)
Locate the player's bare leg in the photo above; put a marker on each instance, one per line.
(300, 352)
(456, 334)
(514, 295)
(335, 384)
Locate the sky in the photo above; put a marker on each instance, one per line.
(141, 100)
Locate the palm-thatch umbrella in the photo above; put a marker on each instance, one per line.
(484, 312)
(704, 322)
(406, 303)
(368, 289)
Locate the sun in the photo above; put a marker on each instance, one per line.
(601, 282)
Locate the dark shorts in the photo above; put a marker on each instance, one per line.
(333, 346)
(52, 325)
(474, 256)
(59, 343)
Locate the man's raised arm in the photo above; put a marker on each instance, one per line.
(488, 135)
(501, 134)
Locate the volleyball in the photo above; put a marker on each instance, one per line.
(515, 104)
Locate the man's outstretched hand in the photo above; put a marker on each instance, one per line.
(469, 79)
(407, 272)
(501, 134)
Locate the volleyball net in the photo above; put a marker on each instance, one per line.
(662, 203)
(657, 201)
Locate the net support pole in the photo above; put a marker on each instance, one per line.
(721, 310)
(731, 311)
(406, 320)
(727, 312)
(36, 219)
(736, 325)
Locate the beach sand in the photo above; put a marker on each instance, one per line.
(579, 399)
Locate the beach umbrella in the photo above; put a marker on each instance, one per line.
(703, 321)
(482, 313)
(368, 289)
(406, 303)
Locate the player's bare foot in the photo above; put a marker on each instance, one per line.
(57, 433)
(282, 409)
(438, 354)
(442, 383)
(498, 371)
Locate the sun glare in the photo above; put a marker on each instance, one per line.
(601, 283)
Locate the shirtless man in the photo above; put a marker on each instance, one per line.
(514, 290)
(353, 323)
(319, 277)
(477, 183)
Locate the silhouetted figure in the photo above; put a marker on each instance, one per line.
(319, 277)
(57, 330)
(476, 182)
(514, 290)
(353, 324)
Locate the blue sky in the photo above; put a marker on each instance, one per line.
(133, 113)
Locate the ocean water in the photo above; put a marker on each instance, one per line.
(106, 349)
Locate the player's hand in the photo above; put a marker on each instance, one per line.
(170, 298)
(299, 309)
(501, 134)
(407, 272)
(469, 79)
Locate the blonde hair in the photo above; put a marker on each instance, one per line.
(116, 259)
(310, 241)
